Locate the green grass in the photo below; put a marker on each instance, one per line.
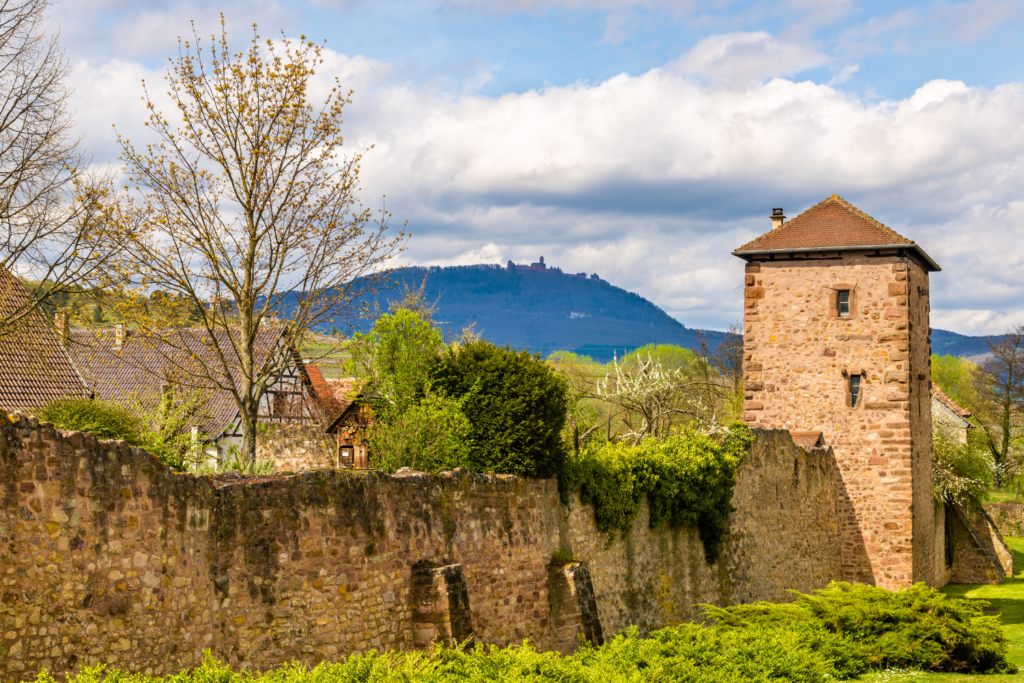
(1008, 600)
(1001, 495)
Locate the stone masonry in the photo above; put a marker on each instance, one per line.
(800, 355)
(109, 557)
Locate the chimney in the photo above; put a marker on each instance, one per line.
(63, 329)
(118, 336)
(777, 219)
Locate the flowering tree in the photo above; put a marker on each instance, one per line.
(649, 397)
(248, 213)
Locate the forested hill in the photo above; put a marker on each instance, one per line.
(543, 311)
(549, 311)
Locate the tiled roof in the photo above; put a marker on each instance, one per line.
(333, 395)
(145, 363)
(949, 403)
(834, 223)
(34, 368)
(806, 439)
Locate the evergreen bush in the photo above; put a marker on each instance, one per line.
(688, 479)
(837, 634)
(516, 406)
(915, 628)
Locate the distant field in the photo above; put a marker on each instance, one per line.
(327, 354)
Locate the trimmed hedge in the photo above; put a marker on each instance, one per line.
(516, 404)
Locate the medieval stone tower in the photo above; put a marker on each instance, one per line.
(836, 349)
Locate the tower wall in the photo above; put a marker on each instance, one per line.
(798, 356)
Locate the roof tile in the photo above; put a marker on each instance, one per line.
(34, 367)
(832, 223)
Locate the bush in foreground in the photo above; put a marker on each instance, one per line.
(839, 633)
(915, 628)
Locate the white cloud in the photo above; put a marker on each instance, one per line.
(742, 59)
(651, 180)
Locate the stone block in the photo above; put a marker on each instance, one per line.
(573, 608)
(897, 289)
(440, 605)
(754, 293)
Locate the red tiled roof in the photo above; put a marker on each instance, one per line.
(834, 223)
(146, 363)
(34, 367)
(806, 439)
(949, 403)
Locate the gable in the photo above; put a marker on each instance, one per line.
(831, 224)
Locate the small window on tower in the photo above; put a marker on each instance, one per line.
(844, 303)
(854, 390)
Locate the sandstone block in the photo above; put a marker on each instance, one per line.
(754, 293)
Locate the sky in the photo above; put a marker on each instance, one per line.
(642, 140)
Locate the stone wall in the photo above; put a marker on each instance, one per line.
(1008, 517)
(298, 447)
(109, 557)
(918, 394)
(798, 357)
(979, 554)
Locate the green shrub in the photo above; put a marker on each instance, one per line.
(915, 628)
(838, 633)
(431, 436)
(516, 406)
(960, 471)
(104, 419)
(170, 440)
(688, 480)
(395, 357)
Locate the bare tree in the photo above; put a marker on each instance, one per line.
(728, 358)
(1002, 393)
(249, 212)
(52, 213)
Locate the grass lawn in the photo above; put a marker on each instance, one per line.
(1008, 599)
(1001, 495)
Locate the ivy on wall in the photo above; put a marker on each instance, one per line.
(688, 479)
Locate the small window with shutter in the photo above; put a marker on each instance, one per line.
(844, 303)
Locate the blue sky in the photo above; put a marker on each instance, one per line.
(644, 140)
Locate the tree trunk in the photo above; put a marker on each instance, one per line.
(247, 416)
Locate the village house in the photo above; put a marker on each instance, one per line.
(34, 368)
(121, 364)
(355, 414)
(946, 414)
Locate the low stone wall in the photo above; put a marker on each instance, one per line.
(109, 557)
(1008, 517)
(298, 447)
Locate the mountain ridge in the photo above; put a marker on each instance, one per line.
(544, 310)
